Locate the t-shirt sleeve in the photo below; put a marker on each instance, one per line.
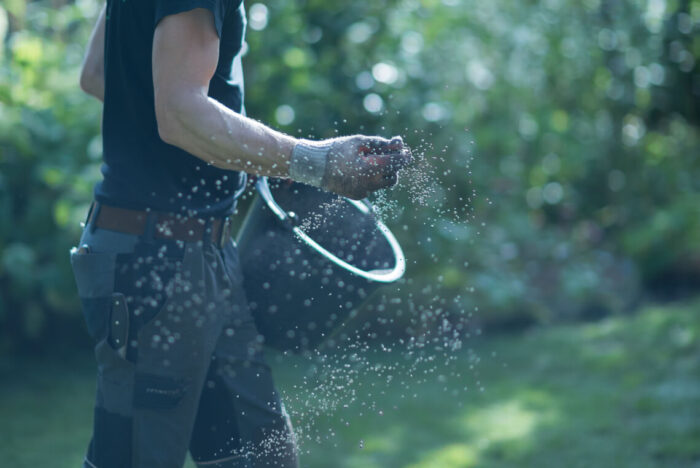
(172, 7)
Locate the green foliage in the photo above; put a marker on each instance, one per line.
(560, 137)
(576, 123)
(48, 152)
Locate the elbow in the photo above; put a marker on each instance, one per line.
(90, 81)
(166, 132)
(165, 117)
(167, 123)
(173, 110)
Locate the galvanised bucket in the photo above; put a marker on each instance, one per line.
(310, 258)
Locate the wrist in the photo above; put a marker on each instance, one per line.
(308, 161)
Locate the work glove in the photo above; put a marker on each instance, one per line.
(351, 166)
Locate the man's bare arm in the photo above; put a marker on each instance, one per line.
(92, 75)
(185, 55)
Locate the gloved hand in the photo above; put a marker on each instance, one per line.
(351, 166)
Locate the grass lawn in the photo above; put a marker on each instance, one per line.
(622, 392)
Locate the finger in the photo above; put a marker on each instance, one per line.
(381, 176)
(389, 163)
(402, 159)
(392, 179)
(358, 194)
(396, 144)
(383, 181)
(367, 145)
(378, 145)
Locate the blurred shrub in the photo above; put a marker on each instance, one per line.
(559, 142)
(576, 123)
(48, 154)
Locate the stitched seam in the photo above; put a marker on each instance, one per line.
(220, 460)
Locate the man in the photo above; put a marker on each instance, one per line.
(179, 358)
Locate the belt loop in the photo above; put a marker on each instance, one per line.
(208, 229)
(93, 214)
(150, 228)
(84, 224)
(242, 186)
(224, 234)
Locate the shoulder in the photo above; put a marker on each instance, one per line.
(218, 8)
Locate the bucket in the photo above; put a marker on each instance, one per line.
(310, 258)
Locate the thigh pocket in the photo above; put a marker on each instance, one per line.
(94, 275)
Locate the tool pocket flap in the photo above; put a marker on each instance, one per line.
(94, 276)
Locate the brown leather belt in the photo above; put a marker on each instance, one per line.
(166, 226)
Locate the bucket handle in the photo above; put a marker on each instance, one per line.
(381, 276)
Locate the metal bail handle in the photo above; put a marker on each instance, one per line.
(382, 276)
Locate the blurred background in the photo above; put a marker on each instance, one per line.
(554, 215)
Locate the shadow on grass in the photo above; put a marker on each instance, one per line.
(620, 392)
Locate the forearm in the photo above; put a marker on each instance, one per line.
(215, 134)
(185, 56)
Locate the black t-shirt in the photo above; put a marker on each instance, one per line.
(140, 170)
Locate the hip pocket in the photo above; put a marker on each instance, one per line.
(147, 282)
(94, 276)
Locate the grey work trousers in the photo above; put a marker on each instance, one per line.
(179, 360)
